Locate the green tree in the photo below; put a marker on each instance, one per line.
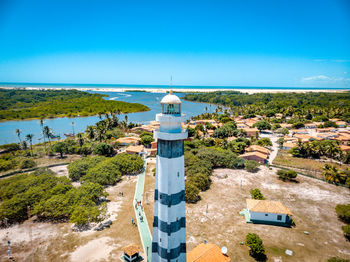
(251, 165)
(18, 133)
(29, 138)
(262, 125)
(256, 194)
(146, 140)
(27, 163)
(60, 147)
(257, 249)
(103, 149)
(191, 192)
(343, 212)
(265, 141)
(286, 174)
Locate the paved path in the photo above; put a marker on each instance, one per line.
(144, 231)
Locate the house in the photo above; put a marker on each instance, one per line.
(288, 145)
(256, 148)
(131, 253)
(267, 212)
(304, 138)
(340, 123)
(154, 144)
(256, 156)
(151, 151)
(343, 139)
(251, 131)
(345, 148)
(131, 140)
(278, 115)
(204, 121)
(242, 126)
(310, 125)
(138, 150)
(288, 126)
(231, 138)
(206, 252)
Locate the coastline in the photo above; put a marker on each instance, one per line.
(182, 90)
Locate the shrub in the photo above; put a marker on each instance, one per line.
(103, 149)
(146, 140)
(262, 125)
(251, 165)
(127, 164)
(104, 173)
(201, 181)
(7, 164)
(60, 147)
(79, 168)
(346, 230)
(337, 259)
(27, 163)
(257, 250)
(256, 194)
(286, 174)
(191, 192)
(343, 212)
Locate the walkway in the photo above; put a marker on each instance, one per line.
(144, 231)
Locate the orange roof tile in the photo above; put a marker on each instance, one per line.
(134, 149)
(131, 250)
(258, 154)
(267, 206)
(207, 253)
(258, 148)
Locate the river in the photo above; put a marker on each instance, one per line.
(63, 125)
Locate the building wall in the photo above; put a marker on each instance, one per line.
(271, 217)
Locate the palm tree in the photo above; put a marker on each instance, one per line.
(73, 127)
(29, 138)
(126, 119)
(80, 139)
(41, 121)
(47, 133)
(18, 132)
(90, 132)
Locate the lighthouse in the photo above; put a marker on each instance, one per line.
(169, 224)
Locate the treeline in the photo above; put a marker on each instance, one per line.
(317, 149)
(49, 197)
(330, 105)
(59, 103)
(333, 174)
(200, 160)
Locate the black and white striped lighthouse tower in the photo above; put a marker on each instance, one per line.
(169, 224)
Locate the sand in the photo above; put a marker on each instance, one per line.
(182, 90)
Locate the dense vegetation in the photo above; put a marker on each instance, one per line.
(312, 104)
(334, 175)
(49, 197)
(317, 149)
(104, 171)
(257, 249)
(25, 104)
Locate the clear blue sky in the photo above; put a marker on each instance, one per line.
(234, 43)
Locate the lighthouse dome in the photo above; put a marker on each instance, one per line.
(170, 99)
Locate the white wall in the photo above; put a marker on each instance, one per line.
(270, 217)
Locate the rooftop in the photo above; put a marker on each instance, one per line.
(206, 253)
(131, 250)
(267, 206)
(170, 99)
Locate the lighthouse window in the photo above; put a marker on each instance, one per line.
(160, 240)
(178, 174)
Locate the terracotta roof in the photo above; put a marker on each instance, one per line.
(288, 144)
(127, 140)
(258, 148)
(207, 253)
(345, 148)
(131, 250)
(257, 154)
(267, 206)
(134, 149)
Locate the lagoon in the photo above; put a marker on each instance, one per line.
(63, 125)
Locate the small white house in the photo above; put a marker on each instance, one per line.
(268, 212)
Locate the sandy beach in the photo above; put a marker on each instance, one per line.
(181, 90)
